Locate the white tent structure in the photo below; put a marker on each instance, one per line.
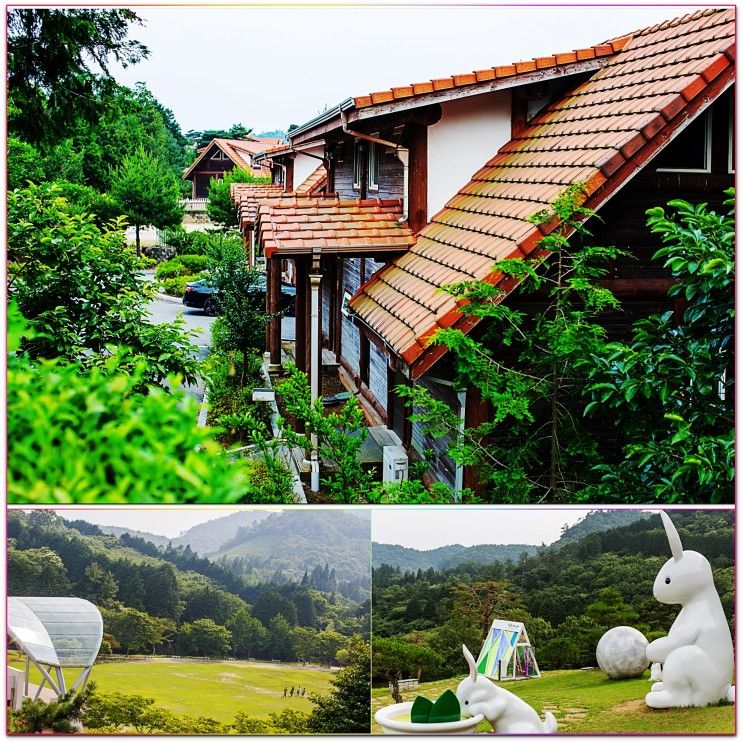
(507, 653)
(55, 633)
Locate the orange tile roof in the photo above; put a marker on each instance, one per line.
(297, 225)
(314, 182)
(605, 50)
(248, 197)
(601, 133)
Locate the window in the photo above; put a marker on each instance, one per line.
(690, 151)
(358, 161)
(366, 154)
(373, 170)
(219, 155)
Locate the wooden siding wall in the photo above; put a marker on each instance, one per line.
(390, 176)
(442, 465)
(349, 332)
(378, 375)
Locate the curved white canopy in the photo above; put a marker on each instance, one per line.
(56, 631)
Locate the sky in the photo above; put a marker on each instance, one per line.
(167, 522)
(270, 67)
(430, 527)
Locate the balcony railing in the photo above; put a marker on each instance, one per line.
(194, 205)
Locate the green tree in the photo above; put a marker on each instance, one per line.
(37, 572)
(58, 66)
(133, 629)
(671, 390)
(483, 601)
(205, 637)
(241, 302)
(533, 447)
(98, 585)
(127, 712)
(248, 634)
(347, 709)
(610, 610)
(25, 163)
(147, 192)
(289, 722)
(243, 724)
(219, 205)
(391, 658)
(81, 290)
(279, 641)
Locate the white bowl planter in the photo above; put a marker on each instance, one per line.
(387, 719)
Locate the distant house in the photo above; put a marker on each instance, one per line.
(222, 155)
(432, 183)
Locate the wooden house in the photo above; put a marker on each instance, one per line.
(431, 183)
(221, 156)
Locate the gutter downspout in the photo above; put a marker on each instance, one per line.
(402, 153)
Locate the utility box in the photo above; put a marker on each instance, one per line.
(394, 464)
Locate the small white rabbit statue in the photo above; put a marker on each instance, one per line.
(504, 711)
(697, 655)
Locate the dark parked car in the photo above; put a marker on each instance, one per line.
(202, 294)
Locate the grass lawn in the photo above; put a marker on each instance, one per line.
(217, 690)
(588, 702)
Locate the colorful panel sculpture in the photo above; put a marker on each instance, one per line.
(507, 653)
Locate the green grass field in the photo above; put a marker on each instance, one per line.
(217, 690)
(588, 702)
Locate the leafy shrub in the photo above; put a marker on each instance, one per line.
(176, 237)
(80, 288)
(176, 286)
(106, 437)
(194, 263)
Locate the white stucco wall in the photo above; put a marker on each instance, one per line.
(304, 165)
(470, 132)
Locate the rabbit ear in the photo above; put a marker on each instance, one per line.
(471, 663)
(673, 536)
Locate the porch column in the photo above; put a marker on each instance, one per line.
(315, 358)
(300, 314)
(273, 331)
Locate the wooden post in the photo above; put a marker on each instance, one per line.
(273, 295)
(300, 313)
(315, 359)
(338, 339)
(289, 184)
(417, 138)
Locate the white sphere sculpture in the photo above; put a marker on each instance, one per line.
(621, 653)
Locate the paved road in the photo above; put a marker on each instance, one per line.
(165, 311)
(162, 310)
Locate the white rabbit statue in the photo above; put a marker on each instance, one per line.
(503, 710)
(697, 655)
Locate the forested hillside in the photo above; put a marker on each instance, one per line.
(203, 538)
(170, 600)
(451, 555)
(567, 596)
(288, 544)
(443, 558)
